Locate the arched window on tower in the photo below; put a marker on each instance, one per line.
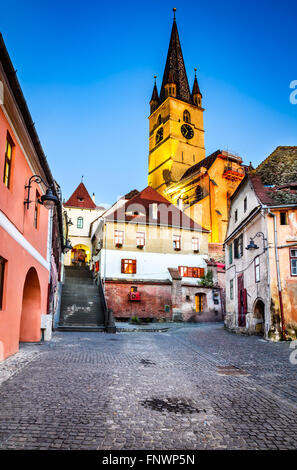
(187, 116)
(80, 222)
(159, 121)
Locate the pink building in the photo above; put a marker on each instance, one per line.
(25, 228)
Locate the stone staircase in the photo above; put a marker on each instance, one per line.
(82, 306)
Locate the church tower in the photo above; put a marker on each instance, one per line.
(176, 134)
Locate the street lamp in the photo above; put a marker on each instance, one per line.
(67, 246)
(48, 200)
(252, 245)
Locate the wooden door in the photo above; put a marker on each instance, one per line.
(242, 301)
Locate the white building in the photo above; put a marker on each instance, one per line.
(81, 211)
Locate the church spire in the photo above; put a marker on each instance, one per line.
(154, 103)
(175, 71)
(196, 93)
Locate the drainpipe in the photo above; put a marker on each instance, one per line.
(278, 274)
(105, 243)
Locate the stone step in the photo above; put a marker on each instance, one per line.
(81, 328)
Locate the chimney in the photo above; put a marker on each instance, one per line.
(93, 197)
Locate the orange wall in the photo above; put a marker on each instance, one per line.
(19, 261)
(12, 199)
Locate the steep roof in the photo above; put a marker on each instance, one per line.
(206, 163)
(280, 167)
(81, 198)
(175, 70)
(141, 208)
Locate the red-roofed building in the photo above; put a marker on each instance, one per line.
(81, 210)
(151, 258)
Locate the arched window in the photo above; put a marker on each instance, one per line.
(159, 121)
(187, 116)
(80, 222)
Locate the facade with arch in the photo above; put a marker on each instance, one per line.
(29, 238)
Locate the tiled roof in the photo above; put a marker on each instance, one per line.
(260, 190)
(80, 198)
(206, 163)
(140, 209)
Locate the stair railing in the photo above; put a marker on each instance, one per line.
(108, 316)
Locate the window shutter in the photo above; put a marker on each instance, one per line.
(123, 266)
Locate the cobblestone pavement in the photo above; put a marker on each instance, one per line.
(150, 391)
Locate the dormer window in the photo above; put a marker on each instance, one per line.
(186, 116)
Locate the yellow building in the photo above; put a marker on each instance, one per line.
(178, 168)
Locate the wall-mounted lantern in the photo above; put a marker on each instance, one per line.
(48, 200)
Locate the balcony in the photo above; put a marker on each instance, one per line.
(233, 172)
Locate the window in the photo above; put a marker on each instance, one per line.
(128, 266)
(195, 244)
(177, 242)
(2, 269)
(36, 210)
(140, 238)
(230, 248)
(118, 237)
(193, 158)
(8, 161)
(159, 121)
(236, 215)
(231, 289)
(293, 261)
(245, 204)
(187, 116)
(238, 247)
(283, 218)
(186, 271)
(80, 222)
(257, 269)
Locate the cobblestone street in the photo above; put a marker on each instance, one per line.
(170, 390)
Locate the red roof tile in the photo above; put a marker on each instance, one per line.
(140, 209)
(81, 199)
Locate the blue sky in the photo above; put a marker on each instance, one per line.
(86, 70)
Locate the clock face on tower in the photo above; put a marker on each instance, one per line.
(187, 131)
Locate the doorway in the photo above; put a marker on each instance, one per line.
(31, 308)
(259, 314)
(199, 302)
(242, 301)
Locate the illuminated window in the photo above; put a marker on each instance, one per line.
(2, 268)
(80, 222)
(128, 266)
(140, 238)
(8, 161)
(187, 116)
(195, 244)
(176, 242)
(186, 271)
(118, 237)
(293, 261)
